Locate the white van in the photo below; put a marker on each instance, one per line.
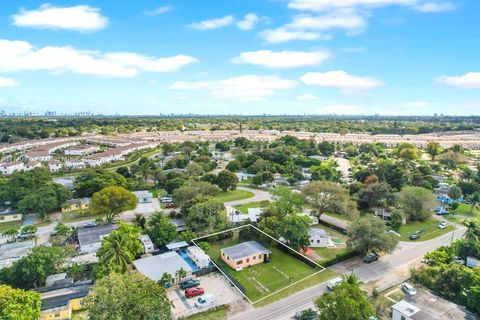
(166, 199)
(205, 301)
(332, 283)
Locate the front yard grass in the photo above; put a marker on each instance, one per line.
(233, 195)
(218, 313)
(325, 254)
(10, 225)
(429, 229)
(75, 216)
(264, 279)
(243, 208)
(465, 210)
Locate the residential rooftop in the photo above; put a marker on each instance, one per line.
(244, 249)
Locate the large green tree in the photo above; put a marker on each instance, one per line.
(128, 297)
(227, 180)
(433, 149)
(206, 216)
(294, 229)
(416, 202)
(110, 201)
(325, 196)
(286, 201)
(368, 235)
(346, 302)
(17, 304)
(91, 181)
(161, 229)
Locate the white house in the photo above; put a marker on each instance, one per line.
(32, 165)
(235, 216)
(143, 196)
(313, 219)
(11, 167)
(54, 166)
(198, 256)
(90, 239)
(81, 150)
(319, 238)
(404, 311)
(147, 243)
(242, 176)
(155, 266)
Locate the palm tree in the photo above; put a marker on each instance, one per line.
(474, 199)
(352, 279)
(10, 234)
(115, 252)
(473, 230)
(180, 274)
(140, 221)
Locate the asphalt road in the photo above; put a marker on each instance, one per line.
(390, 270)
(258, 195)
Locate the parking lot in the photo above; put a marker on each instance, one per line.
(213, 283)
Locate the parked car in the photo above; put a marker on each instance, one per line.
(205, 301)
(332, 283)
(89, 224)
(459, 260)
(414, 236)
(166, 199)
(193, 292)
(394, 232)
(371, 257)
(409, 289)
(442, 225)
(189, 284)
(170, 205)
(308, 314)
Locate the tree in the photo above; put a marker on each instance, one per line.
(180, 274)
(206, 216)
(62, 229)
(227, 180)
(161, 230)
(286, 201)
(376, 194)
(110, 201)
(119, 248)
(173, 184)
(451, 159)
(325, 196)
(91, 181)
(473, 230)
(474, 199)
(194, 169)
(165, 280)
(10, 234)
(145, 168)
(33, 269)
(396, 219)
(433, 149)
(205, 246)
(416, 202)
(29, 229)
(159, 176)
(454, 193)
(19, 304)
(128, 297)
(326, 148)
(295, 230)
(369, 235)
(345, 302)
(234, 166)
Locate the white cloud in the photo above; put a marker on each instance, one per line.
(349, 84)
(325, 5)
(248, 22)
(306, 97)
(470, 80)
(416, 104)
(214, 23)
(5, 82)
(284, 35)
(242, 88)
(158, 11)
(21, 55)
(434, 7)
(282, 59)
(78, 18)
(339, 109)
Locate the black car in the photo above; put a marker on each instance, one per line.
(308, 314)
(414, 236)
(371, 257)
(189, 284)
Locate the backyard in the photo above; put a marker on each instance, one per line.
(325, 254)
(233, 195)
(429, 230)
(243, 208)
(466, 210)
(264, 279)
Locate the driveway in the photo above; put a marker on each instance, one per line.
(390, 270)
(258, 195)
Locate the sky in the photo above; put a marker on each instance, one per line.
(389, 57)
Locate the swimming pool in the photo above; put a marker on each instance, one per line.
(187, 259)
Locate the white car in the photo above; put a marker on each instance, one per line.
(333, 282)
(409, 289)
(205, 301)
(442, 225)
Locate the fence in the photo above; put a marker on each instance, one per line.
(238, 284)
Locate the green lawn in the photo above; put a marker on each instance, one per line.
(77, 216)
(219, 313)
(429, 227)
(10, 225)
(345, 217)
(338, 238)
(266, 278)
(465, 210)
(243, 208)
(234, 195)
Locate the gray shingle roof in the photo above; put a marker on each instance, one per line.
(244, 249)
(93, 235)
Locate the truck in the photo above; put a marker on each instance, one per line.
(206, 301)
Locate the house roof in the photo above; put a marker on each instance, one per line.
(142, 194)
(314, 232)
(61, 297)
(154, 267)
(177, 245)
(245, 249)
(93, 235)
(405, 308)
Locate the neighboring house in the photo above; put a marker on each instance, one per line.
(90, 239)
(32, 165)
(155, 266)
(236, 217)
(76, 204)
(176, 246)
(179, 224)
(54, 166)
(147, 243)
(11, 252)
(313, 219)
(245, 254)
(143, 196)
(11, 167)
(198, 256)
(9, 215)
(404, 311)
(81, 150)
(242, 176)
(62, 298)
(319, 238)
(384, 213)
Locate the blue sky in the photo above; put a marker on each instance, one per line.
(241, 56)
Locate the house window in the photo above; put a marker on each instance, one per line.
(2, 218)
(223, 254)
(254, 257)
(318, 241)
(248, 260)
(239, 262)
(259, 256)
(403, 318)
(57, 314)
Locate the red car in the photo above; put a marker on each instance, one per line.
(193, 292)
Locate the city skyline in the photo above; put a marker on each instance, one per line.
(389, 57)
